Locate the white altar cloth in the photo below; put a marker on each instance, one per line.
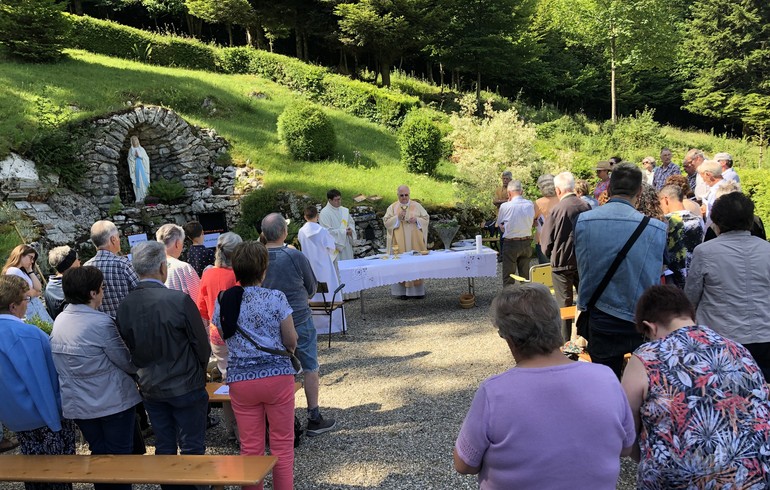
(360, 274)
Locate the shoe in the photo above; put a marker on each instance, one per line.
(318, 427)
(8, 444)
(403, 296)
(417, 297)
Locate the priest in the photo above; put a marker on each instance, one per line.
(319, 248)
(407, 225)
(336, 218)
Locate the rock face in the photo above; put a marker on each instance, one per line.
(193, 156)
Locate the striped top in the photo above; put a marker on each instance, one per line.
(182, 277)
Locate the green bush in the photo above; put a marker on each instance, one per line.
(113, 39)
(420, 141)
(754, 183)
(167, 191)
(306, 131)
(254, 206)
(33, 30)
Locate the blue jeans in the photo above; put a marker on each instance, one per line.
(179, 421)
(111, 434)
(307, 345)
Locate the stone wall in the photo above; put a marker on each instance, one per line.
(177, 150)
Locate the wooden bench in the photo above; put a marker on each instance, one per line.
(215, 470)
(568, 312)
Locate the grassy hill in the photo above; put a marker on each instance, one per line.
(366, 160)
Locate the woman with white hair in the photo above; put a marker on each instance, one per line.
(548, 422)
(215, 279)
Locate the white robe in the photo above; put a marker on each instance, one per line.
(319, 248)
(338, 221)
(139, 168)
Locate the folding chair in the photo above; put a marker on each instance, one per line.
(540, 273)
(328, 308)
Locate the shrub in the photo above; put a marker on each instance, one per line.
(420, 141)
(306, 131)
(33, 30)
(754, 184)
(167, 191)
(113, 39)
(254, 206)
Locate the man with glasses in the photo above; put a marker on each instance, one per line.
(666, 169)
(407, 225)
(692, 161)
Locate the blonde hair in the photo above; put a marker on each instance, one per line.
(14, 259)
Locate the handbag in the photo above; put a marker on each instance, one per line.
(583, 318)
(234, 299)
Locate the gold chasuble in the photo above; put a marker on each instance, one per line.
(409, 233)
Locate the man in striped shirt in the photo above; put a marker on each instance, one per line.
(119, 275)
(181, 275)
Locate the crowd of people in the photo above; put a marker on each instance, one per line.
(132, 340)
(692, 403)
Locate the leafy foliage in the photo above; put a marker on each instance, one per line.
(485, 146)
(167, 191)
(254, 206)
(307, 132)
(420, 141)
(726, 58)
(33, 30)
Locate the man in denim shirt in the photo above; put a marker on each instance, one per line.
(599, 236)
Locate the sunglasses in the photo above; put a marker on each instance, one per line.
(403, 195)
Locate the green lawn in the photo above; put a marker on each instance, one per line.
(366, 160)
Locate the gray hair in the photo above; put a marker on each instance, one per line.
(507, 173)
(545, 184)
(528, 317)
(101, 231)
(727, 188)
(565, 181)
(147, 257)
(226, 243)
(273, 226)
(57, 255)
(711, 166)
(169, 233)
(515, 186)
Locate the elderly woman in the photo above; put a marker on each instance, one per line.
(549, 422)
(216, 279)
(729, 279)
(21, 263)
(94, 368)
(543, 207)
(699, 400)
(648, 169)
(582, 191)
(261, 383)
(29, 387)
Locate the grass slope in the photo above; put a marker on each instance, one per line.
(367, 156)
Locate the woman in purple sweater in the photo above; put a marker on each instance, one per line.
(548, 422)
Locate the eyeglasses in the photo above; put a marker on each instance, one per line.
(27, 298)
(403, 195)
(104, 286)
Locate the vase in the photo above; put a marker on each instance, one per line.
(447, 234)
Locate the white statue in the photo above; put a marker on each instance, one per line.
(139, 168)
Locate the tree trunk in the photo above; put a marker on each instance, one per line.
(441, 76)
(761, 145)
(613, 96)
(77, 7)
(249, 37)
(429, 70)
(479, 105)
(385, 70)
(304, 46)
(343, 67)
(298, 43)
(230, 33)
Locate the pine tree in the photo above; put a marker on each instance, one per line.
(33, 30)
(727, 61)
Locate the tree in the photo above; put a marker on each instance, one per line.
(379, 26)
(634, 35)
(33, 30)
(158, 8)
(726, 60)
(226, 12)
(485, 37)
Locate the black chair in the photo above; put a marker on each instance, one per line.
(328, 308)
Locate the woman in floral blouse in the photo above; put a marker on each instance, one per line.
(699, 400)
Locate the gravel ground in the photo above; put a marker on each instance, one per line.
(399, 384)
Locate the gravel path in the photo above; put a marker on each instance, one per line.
(399, 385)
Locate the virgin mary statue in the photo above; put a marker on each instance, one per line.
(139, 168)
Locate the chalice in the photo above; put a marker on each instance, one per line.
(395, 251)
